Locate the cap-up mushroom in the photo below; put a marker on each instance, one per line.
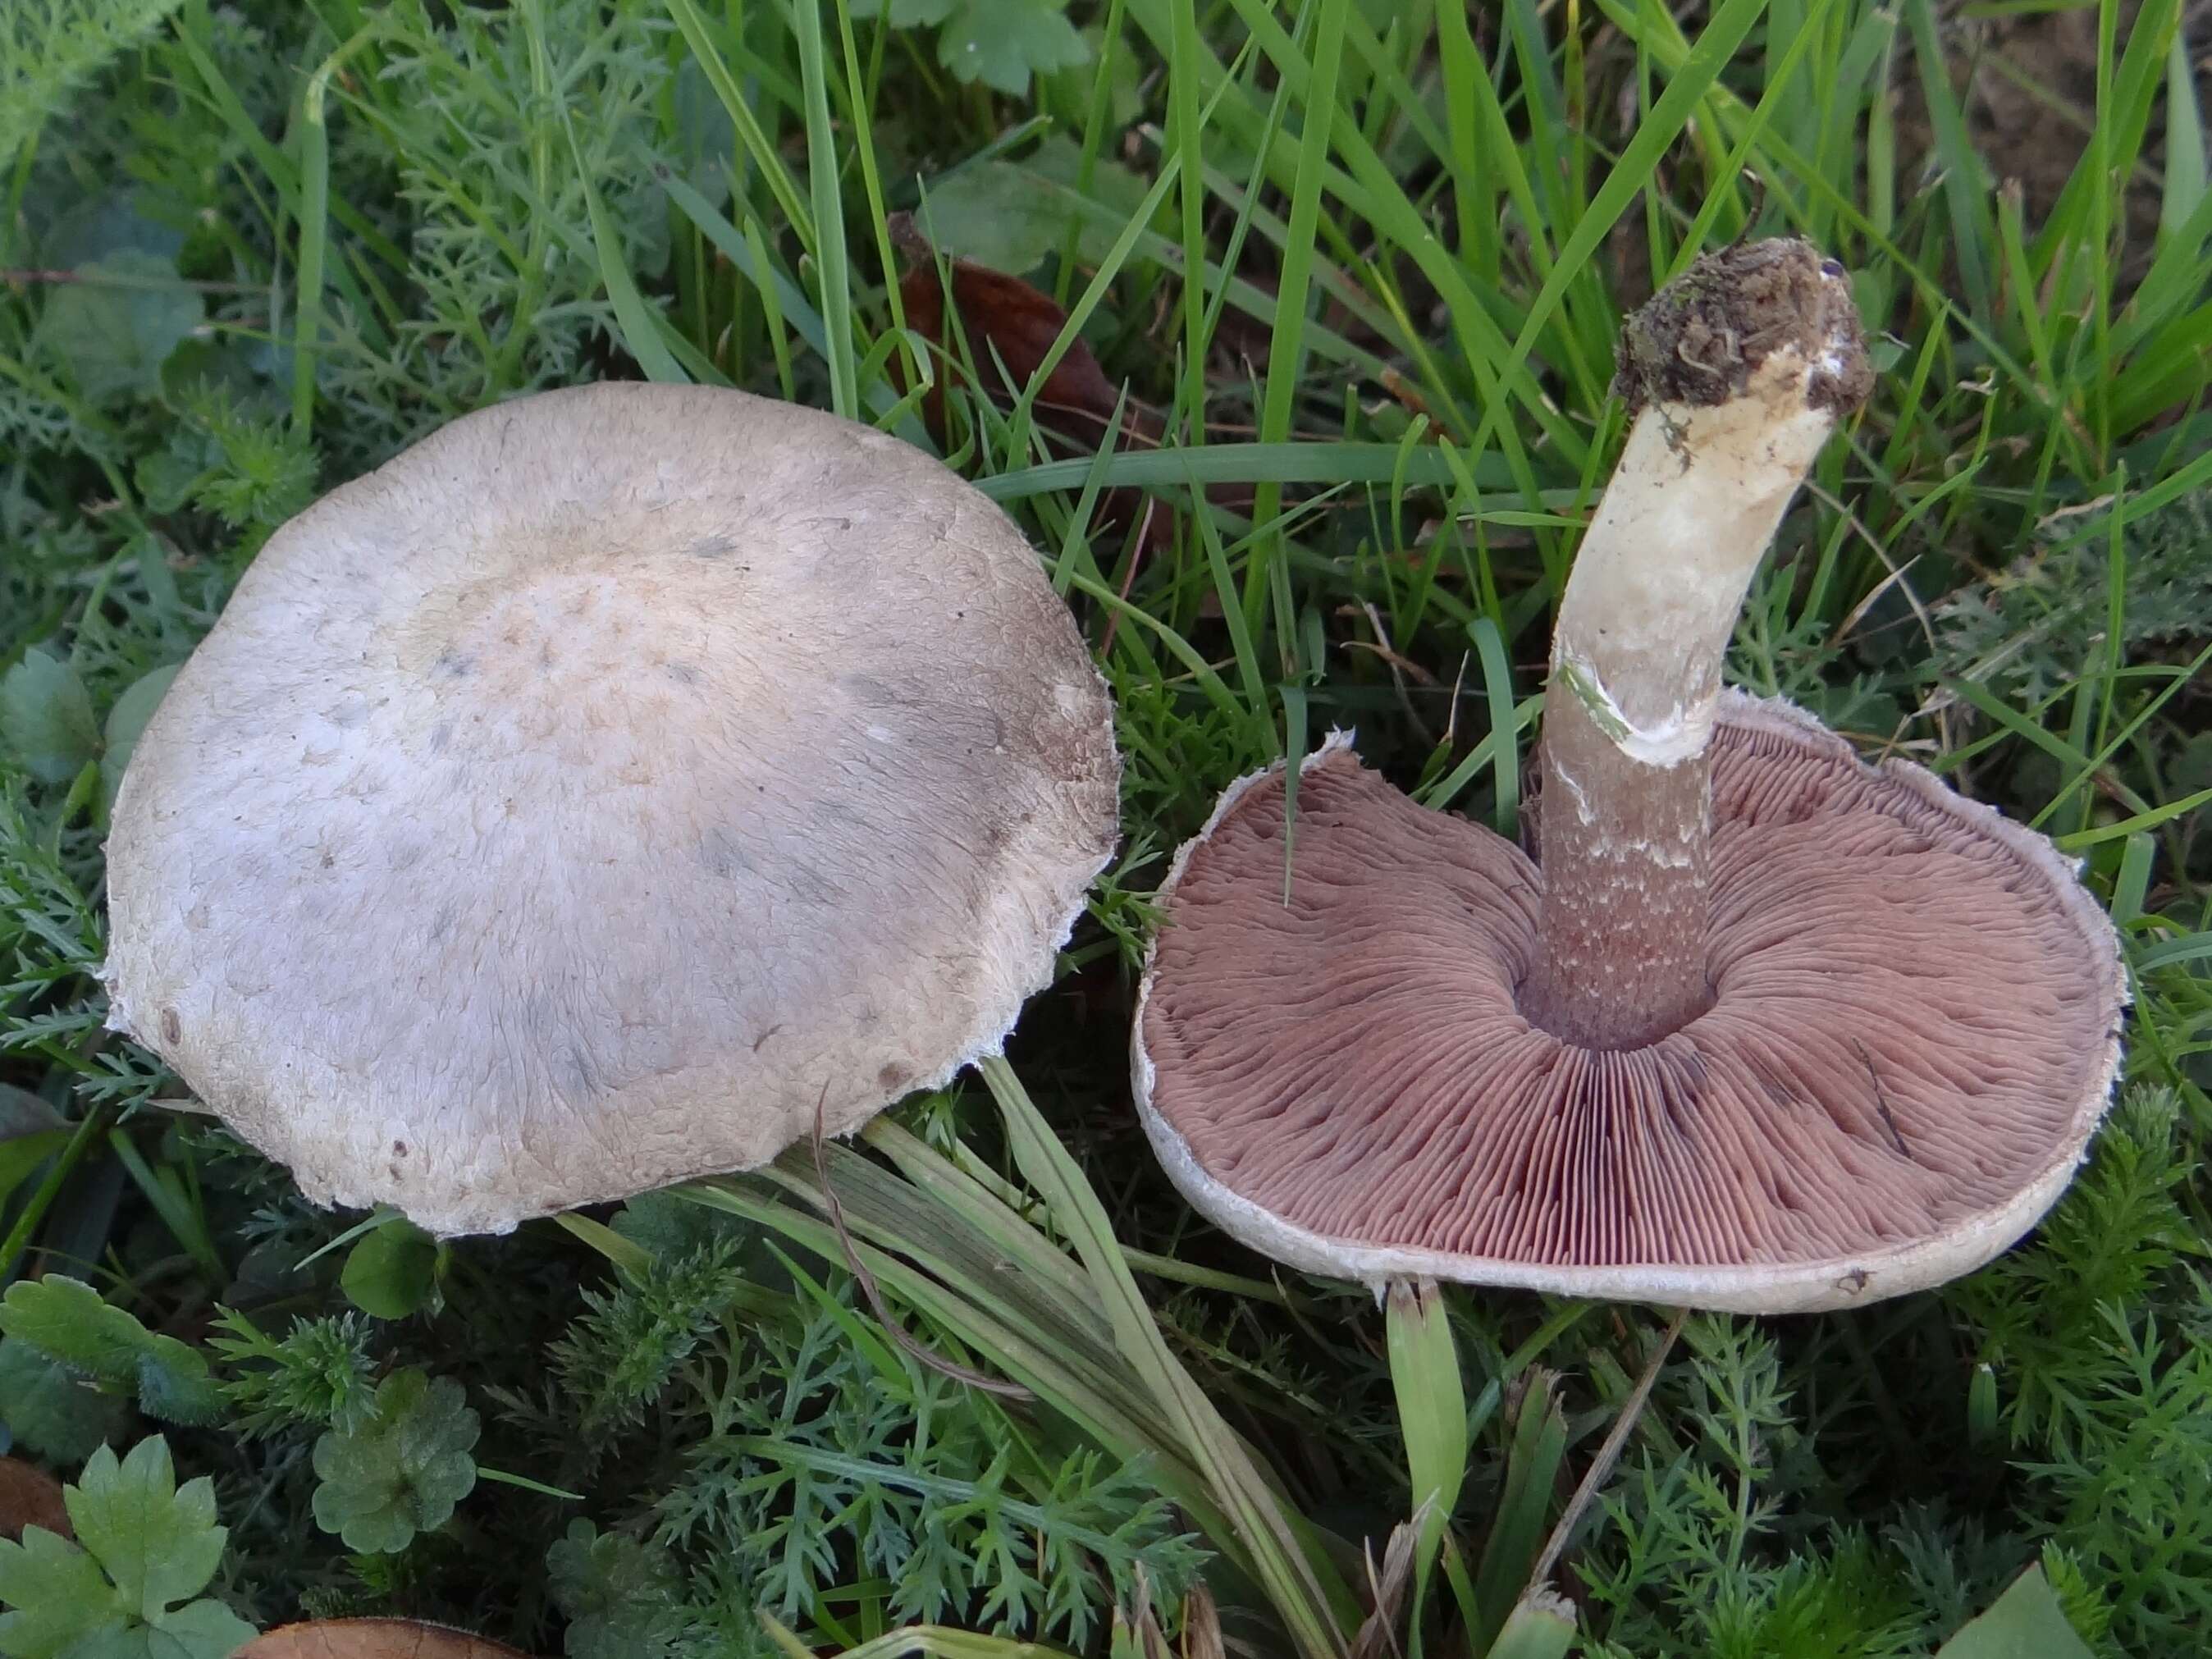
(1770, 1029)
(570, 806)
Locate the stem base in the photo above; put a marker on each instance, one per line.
(1623, 962)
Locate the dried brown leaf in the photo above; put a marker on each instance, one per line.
(1005, 328)
(1201, 1625)
(372, 1638)
(30, 1496)
(1387, 1585)
(999, 319)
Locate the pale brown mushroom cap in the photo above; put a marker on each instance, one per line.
(566, 807)
(1914, 1033)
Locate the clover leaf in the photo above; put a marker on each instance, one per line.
(1000, 43)
(45, 717)
(111, 330)
(402, 1471)
(623, 1599)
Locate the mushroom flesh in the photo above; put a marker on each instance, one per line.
(596, 793)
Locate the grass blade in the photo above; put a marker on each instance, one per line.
(1286, 350)
(1315, 1611)
(1432, 1420)
(1521, 1521)
(832, 268)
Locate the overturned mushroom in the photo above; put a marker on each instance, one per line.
(574, 804)
(1770, 1029)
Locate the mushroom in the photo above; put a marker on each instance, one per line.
(1770, 1029)
(598, 792)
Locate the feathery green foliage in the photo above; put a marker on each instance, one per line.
(49, 48)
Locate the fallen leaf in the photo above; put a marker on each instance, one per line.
(30, 1496)
(372, 1638)
(1002, 319)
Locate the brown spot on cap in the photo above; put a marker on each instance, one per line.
(1908, 1048)
(1700, 339)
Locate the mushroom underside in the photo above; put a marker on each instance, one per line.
(1913, 1031)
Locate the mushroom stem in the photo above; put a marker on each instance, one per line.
(1739, 371)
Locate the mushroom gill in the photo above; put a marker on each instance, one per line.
(1907, 1041)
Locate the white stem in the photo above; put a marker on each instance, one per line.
(1680, 528)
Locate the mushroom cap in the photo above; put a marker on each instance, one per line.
(1915, 1031)
(569, 806)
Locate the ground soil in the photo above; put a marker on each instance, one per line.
(2029, 87)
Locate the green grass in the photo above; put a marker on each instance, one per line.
(1366, 262)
